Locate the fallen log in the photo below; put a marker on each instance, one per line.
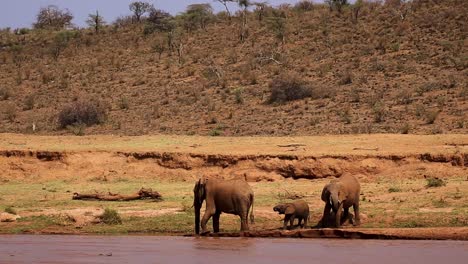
(143, 193)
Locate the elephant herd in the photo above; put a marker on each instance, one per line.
(237, 197)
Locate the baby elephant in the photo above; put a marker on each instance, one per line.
(297, 209)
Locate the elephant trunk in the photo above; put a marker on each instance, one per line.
(335, 202)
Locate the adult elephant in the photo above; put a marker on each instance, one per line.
(222, 196)
(339, 195)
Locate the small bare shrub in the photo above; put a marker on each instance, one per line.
(29, 102)
(431, 116)
(5, 93)
(379, 112)
(10, 112)
(82, 111)
(288, 88)
(345, 78)
(304, 5)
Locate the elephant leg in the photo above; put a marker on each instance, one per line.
(300, 223)
(285, 222)
(206, 217)
(291, 222)
(306, 221)
(338, 214)
(345, 216)
(326, 215)
(216, 222)
(244, 220)
(356, 214)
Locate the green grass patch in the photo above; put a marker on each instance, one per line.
(435, 182)
(111, 217)
(10, 210)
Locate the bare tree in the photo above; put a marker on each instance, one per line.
(139, 9)
(95, 21)
(244, 4)
(225, 4)
(51, 17)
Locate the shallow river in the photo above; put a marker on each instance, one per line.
(155, 249)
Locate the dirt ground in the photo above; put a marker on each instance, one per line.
(39, 174)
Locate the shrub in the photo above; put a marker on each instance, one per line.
(345, 78)
(4, 93)
(159, 20)
(238, 95)
(52, 17)
(111, 217)
(215, 132)
(29, 102)
(288, 88)
(379, 112)
(405, 129)
(431, 116)
(10, 210)
(10, 112)
(304, 5)
(82, 112)
(394, 189)
(434, 182)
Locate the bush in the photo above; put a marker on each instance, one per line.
(394, 189)
(10, 210)
(10, 112)
(29, 102)
(379, 112)
(238, 95)
(52, 17)
(82, 112)
(4, 93)
(111, 217)
(288, 88)
(431, 117)
(304, 5)
(434, 182)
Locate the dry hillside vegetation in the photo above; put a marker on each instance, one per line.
(373, 68)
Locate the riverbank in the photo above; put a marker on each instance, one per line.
(39, 175)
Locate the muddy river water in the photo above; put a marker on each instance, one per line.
(156, 249)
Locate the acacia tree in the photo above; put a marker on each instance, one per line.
(95, 21)
(139, 9)
(51, 17)
(199, 14)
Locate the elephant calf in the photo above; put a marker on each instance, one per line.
(297, 209)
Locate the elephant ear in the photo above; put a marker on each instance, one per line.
(342, 193)
(325, 193)
(289, 209)
(199, 191)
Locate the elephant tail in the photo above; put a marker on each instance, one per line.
(252, 218)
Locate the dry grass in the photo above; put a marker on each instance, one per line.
(346, 55)
(385, 144)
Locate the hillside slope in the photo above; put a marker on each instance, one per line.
(398, 69)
